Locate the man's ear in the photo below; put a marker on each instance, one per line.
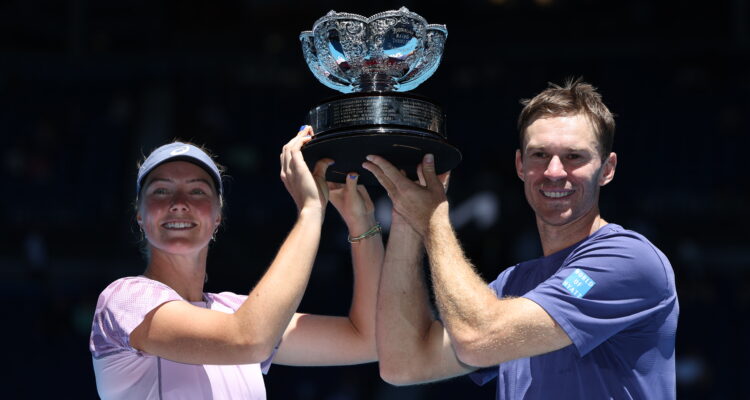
(608, 169)
(519, 165)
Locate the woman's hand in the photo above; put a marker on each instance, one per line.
(309, 190)
(353, 203)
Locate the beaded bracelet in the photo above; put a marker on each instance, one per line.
(371, 232)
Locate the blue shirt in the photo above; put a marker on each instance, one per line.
(614, 295)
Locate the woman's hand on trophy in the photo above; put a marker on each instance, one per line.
(417, 202)
(353, 203)
(308, 189)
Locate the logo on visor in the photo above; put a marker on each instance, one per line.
(578, 283)
(180, 150)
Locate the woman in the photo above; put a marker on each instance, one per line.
(159, 335)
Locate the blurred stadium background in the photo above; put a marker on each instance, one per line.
(86, 88)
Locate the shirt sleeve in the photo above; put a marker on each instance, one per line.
(121, 307)
(484, 375)
(487, 374)
(233, 301)
(603, 287)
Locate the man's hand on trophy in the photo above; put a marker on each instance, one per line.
(419, 201)
(444, 178)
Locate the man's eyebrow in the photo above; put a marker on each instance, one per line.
(531, 148)
(542, 147)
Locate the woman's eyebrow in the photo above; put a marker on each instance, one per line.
(200, 180)
(168, 180)
(157, 179)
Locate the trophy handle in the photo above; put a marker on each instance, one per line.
(434, 42)
(311, 56)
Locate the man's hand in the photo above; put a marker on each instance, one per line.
(416, 202)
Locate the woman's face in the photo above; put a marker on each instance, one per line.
(179, 208)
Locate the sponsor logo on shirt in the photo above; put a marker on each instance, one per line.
(578, 283)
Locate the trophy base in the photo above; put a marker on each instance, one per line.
(401, 148)
(400, 127)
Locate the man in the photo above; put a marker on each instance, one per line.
(594, 318)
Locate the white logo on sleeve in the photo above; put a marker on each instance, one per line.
(578, 283)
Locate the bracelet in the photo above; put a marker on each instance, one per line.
(371, 232)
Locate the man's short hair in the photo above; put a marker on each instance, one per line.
(574, 98)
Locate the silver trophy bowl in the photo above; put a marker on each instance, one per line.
(372, 61)
(391, 51)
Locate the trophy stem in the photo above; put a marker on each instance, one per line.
(377, 82)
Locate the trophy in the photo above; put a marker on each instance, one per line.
(373, 61)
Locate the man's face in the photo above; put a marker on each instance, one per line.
(562, 169)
